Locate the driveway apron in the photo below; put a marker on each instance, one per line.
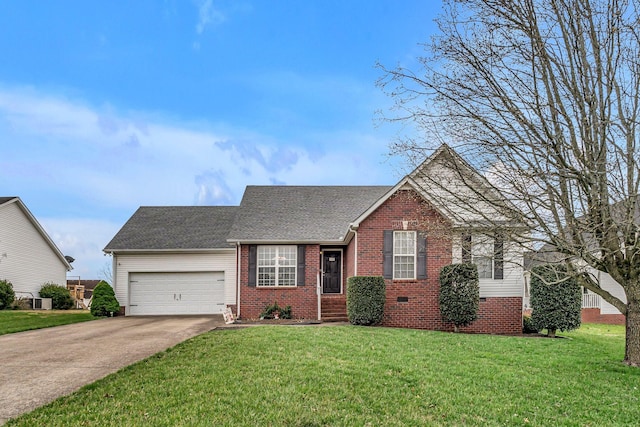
(36, 367)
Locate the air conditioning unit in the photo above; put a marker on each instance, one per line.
(41, 303)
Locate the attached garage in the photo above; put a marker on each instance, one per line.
(175, 261)
(176, 293)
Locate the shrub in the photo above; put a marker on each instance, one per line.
(60, 296)
(459, 294)
(7, 295)
(270, 312)
(527, 325)
(365, 299)
(104, 301)
(556, 301)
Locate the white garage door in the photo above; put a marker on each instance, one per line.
(176, 293)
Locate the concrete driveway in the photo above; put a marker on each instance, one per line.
(39, 366)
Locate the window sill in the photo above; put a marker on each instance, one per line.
(276, 287)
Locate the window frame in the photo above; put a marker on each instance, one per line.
(414, 255)
(490, 262)
(291, 264)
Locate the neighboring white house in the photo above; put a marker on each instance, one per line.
(174, 261)
(28, 256)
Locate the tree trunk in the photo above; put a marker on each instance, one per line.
(551, 333)
(632, 345)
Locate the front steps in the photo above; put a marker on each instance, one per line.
(334, 308)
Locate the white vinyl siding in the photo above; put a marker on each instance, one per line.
(607, 283)
(26, 258)
(277, 265)
(221, 261)
(512, 285)
(404, 254)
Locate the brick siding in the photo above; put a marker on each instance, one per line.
(420, 311)
(414, 303)
(302, 299)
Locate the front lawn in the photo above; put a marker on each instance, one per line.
(358, 376)
(24, 320)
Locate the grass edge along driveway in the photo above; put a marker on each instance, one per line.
(313, 376)
(12, 321)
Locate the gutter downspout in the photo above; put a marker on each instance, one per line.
(354, 228)
(238, 272)
(114, 279)
(319, 293)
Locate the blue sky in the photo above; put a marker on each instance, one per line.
(107, 106)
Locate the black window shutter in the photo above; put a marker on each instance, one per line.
(422, 256)
(498, 257)
(387, 254)
(301, 265)
(253, 264)
(466, 248)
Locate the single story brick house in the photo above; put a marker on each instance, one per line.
(298, 245)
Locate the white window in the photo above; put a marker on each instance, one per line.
(482, 255)
(277, 265)
(485, 267)
(404, 254)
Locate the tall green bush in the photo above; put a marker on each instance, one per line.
(104, 302)
(365, 300)
(60, 296)
(7, 295)
(556, 301)
(459, 294)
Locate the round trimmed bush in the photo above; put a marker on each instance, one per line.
(459, 294)
(104, 302)
(556, 301)
(365, 300)
(7, 295)
(60, 296)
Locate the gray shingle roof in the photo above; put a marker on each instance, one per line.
(301, 213)
(175, 227)
(4, 200)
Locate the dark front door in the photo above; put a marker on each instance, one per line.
(332, 267)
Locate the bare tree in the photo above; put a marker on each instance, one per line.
(106, 273)
(542, 96)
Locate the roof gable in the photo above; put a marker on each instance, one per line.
(5, 201)
(445, 181)
(301, 213)
(457, 189)
(175, 228)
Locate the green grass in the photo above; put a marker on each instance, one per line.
(358, 376)
(24, 320)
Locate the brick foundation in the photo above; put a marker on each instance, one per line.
(593, 315)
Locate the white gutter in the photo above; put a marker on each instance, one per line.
(319, 293)
(354, 228)
(238, 273)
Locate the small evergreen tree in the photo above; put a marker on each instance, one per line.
(556, 301)
(459, 294)
(365, 300)
(104, 302)
(7, 295)
(60, 296)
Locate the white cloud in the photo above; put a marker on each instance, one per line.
(83, 239)
(104, 164)
(208, 15)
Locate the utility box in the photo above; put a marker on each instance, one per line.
(41, 304)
